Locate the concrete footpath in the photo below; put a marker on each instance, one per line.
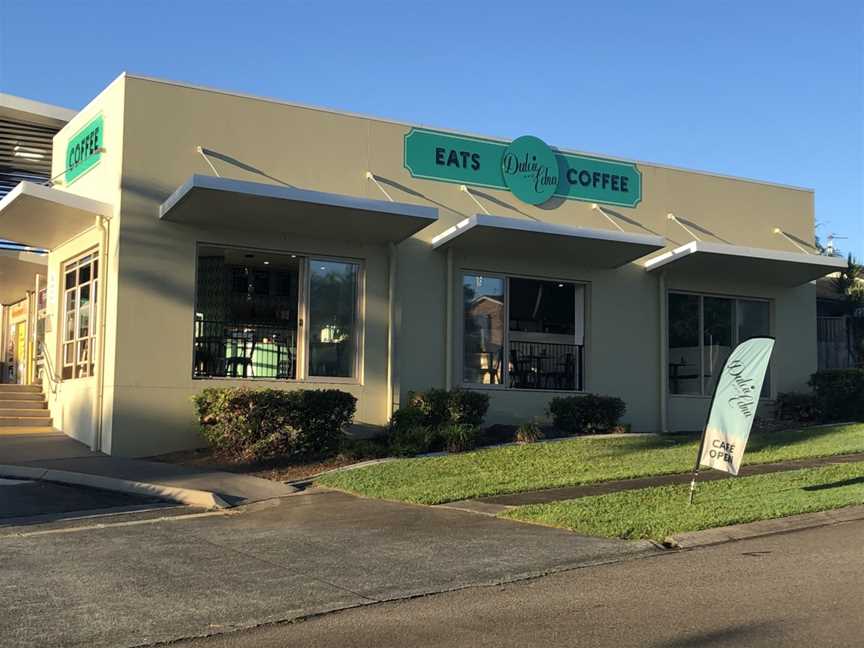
(142, 582)
(55, 457)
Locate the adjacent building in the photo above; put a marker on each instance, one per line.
(27, 130)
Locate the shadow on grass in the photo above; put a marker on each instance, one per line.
(764, 440)
(837, 484)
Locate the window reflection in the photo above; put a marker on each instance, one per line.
(717, 333)
(332, 318)
(684, 365)
(483, 299)
(246, 313)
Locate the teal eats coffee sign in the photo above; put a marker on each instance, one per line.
(84, 150)
(527, 167)
(530, 170)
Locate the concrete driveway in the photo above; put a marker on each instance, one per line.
(137, 583)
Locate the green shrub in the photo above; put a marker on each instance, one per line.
(409, 433)
(437, 418)
(253, 424)
(410, 441)
(796, 406)
(441, 407)
(467, 407)
(529, 433)
(433, 403)
(586, 414)
(460, 437)
(839, 394)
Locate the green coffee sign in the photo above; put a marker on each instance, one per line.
(528, 168)
(84, 150)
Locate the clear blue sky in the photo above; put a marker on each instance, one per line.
(766, 90)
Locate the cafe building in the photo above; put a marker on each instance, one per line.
(202, 238)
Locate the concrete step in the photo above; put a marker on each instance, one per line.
(5, 397)
(31, 389)
(25, 421)
(20, 404)
(34, 411)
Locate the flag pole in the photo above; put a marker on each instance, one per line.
(705, 431)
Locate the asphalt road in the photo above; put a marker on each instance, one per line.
(798, 589)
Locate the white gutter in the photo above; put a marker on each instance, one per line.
(664, 355)
(391, 328)
(448, 331)
(103, 223)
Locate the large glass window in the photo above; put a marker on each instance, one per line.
(684, 372)
(249, 315)
(718, 333)
(483, 349)
(80, 284)
(703, 331)
(332, 318)
(522, 333)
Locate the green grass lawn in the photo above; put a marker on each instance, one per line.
(659, 512)
(513, 469)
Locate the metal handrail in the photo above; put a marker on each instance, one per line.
(52, 377)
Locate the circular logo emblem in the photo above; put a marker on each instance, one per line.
(530, 170)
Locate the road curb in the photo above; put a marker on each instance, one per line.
(187, 496)
(737, 532)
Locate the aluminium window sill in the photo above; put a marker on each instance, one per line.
(282, 381)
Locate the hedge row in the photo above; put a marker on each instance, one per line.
(250, 425)
(253, 424)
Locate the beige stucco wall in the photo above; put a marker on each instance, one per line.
(73, 402)
(150, 379)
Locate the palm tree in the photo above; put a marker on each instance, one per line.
(849, 284)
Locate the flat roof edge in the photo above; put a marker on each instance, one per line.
(38, 108)
(384, 120)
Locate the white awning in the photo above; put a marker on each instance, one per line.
(209, 201)
(746, 264)
(43, 217)
(501, 235)
(18, 272)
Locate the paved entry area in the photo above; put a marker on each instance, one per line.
(24, 444)
(139, 583)
(52, 450)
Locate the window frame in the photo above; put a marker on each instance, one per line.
(359, 328)
(505, 373)
(93, 328)
(735, 341)
(303, 291)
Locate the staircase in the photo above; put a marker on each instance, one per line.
(23, 406)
